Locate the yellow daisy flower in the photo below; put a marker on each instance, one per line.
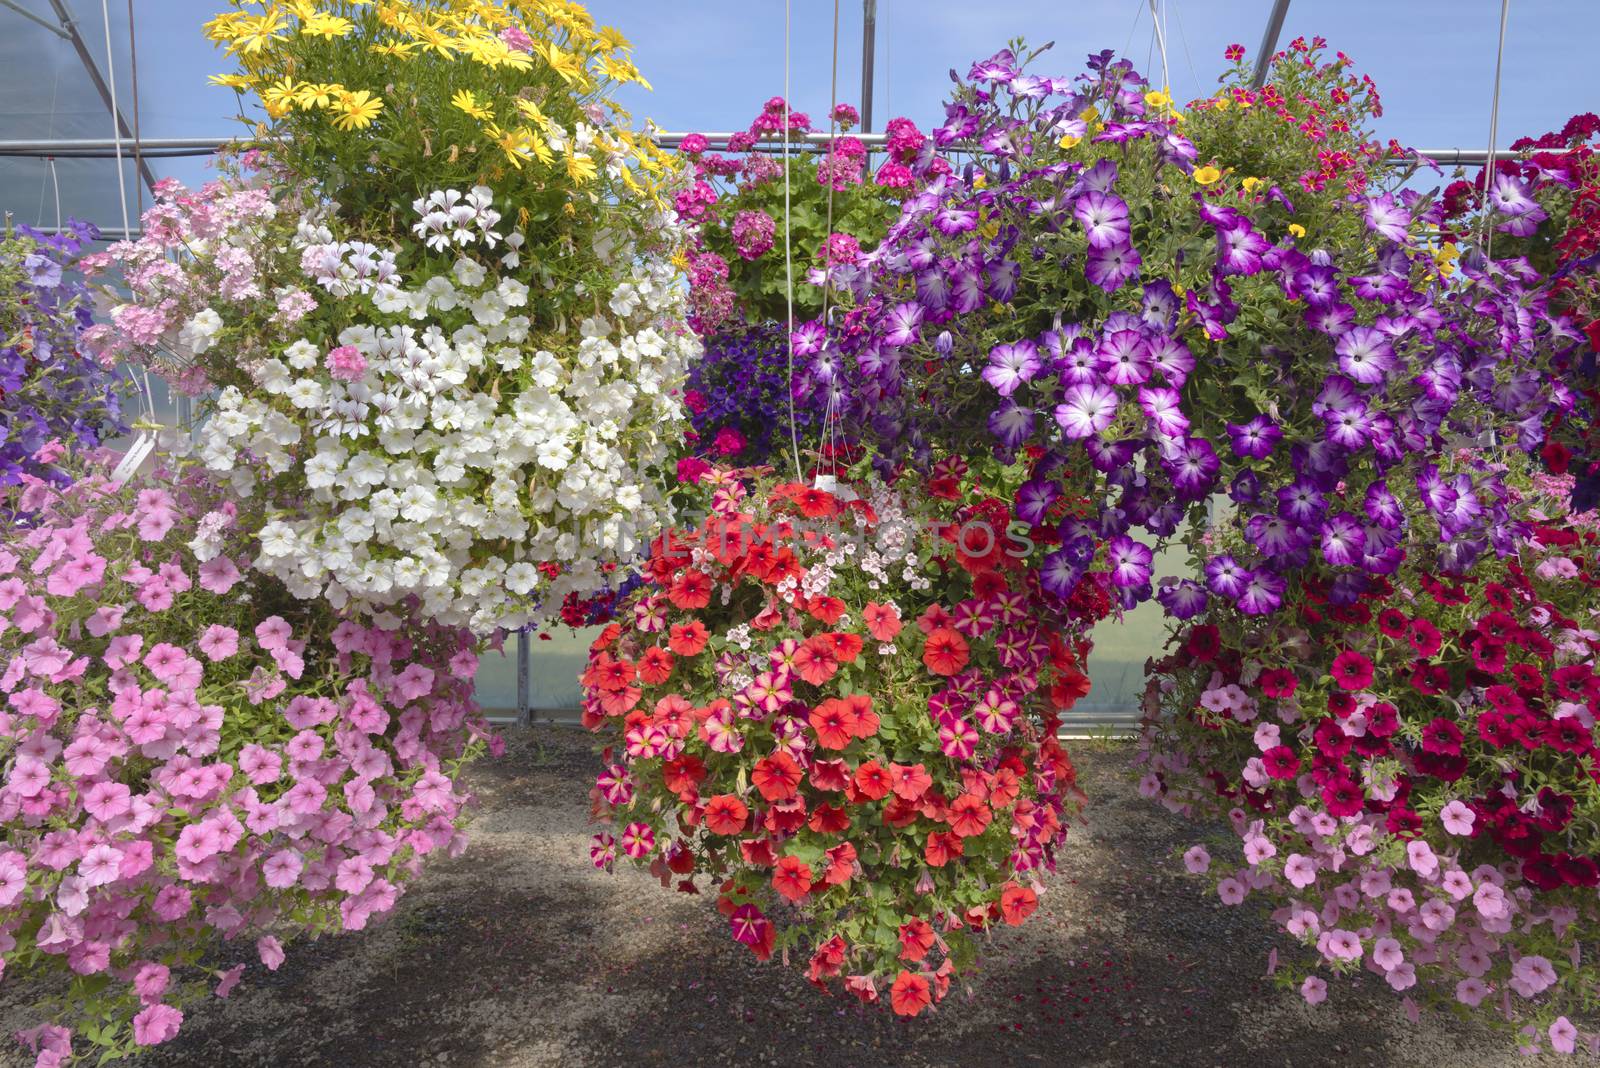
(355, 111)
(466, 101)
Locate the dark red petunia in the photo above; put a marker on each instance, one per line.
(1351, 670)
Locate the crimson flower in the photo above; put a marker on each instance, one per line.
(1351, 670)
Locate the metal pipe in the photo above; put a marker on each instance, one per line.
(91, 148)
(70, 25)
(524, 701)
(12, 5)
(1269, 42)
(869, 48)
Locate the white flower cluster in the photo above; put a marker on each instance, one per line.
(449, 454)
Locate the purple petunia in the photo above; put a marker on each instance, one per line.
(1111, 268)
(1086, 409)
(1129, 562)
(1010, 366)
(902, 324)
(1123, 358)
(1254, 440)
(1387, 219)
(1104, 217)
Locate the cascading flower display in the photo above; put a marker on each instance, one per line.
(452, 376)
(53, 395)
(842, 709)
(1155, 325)
(193, 757)
(1410, 775)
(419, 438)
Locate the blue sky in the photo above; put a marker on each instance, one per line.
(713, 62)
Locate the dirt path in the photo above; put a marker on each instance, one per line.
(520, 954)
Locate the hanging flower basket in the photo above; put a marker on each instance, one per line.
(825, 711)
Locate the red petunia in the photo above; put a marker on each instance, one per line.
(969, 815)
(776, 776)
(815, 662)
(872, 779)
(1068, 688)
(827, 961)
(841, 864)
(830, 774)
(1351, 670)
(883, 621)
(909, 781)
(655, 666)
(726, 814)
(945, 652)
(1281, 762)
(683, 774)
(815, 503)
(792, 878)
(829, 819)
(1017, 903)
(866, 719)
(607, 673)
(687, 639)
(916, 938)
(1424, 638)
(910, 994)
(835, 723)
(941, 848)
(690, 590)
(846, 647)
(1278, 682)
(827, 609)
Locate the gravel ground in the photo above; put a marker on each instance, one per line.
(520, 954)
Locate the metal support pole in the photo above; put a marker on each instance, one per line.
(12, 5)
(1269, 42)
(869, 47)
(524, 703)
(70, 25)
(1161, 43)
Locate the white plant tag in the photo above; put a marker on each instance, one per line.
(136, 454)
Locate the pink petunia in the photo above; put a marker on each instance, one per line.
(274, 633)
(218, 575)
(270, 950)
(1314, 990)
(219, 642)
(1197, 860)
(151, 981)
(156, 1024)
(282, 869)
(1457, 818)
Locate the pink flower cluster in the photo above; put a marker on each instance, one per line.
(181, 764)
(752, 232)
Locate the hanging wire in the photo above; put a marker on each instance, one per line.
(50, 175)
(788, 249)
(1487, 231)
(116, 132)
(829, 423)
(1183, 38)
(133, 73)
(1138, 12)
